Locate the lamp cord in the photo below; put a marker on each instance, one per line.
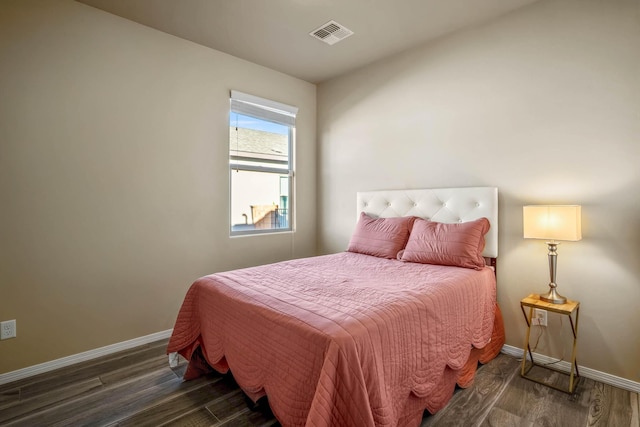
(535, 346)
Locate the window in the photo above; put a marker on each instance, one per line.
(261, 135)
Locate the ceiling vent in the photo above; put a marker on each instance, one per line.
(331, 33)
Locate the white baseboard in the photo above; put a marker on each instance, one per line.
(82, 357)
(125, 345)
(584, 371)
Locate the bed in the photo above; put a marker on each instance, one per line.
(372, 336)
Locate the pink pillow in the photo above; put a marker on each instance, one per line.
(458, 244)
(380, 237)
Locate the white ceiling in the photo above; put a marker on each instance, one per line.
(275, 33)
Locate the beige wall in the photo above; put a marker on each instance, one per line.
(113, 176)
(543, 103)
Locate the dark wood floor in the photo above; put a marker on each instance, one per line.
(137, 388)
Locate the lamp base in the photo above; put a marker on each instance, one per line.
(553, 297)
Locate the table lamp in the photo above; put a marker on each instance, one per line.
(552, 222)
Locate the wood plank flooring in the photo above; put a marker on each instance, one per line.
(137, 388)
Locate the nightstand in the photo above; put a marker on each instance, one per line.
(571, 309)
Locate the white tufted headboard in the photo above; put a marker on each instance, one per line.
(449, 205)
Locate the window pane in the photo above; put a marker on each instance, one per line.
(259, 201)
(253, 139)
(261, 134)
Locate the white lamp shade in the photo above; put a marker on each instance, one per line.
(555, 222)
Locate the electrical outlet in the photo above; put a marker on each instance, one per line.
(539, 317)
(7, 329)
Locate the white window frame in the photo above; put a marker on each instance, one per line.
(272, 111)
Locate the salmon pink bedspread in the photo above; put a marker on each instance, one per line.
(340, 340)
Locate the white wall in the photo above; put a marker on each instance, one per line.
(543, 103)
(114, 176)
